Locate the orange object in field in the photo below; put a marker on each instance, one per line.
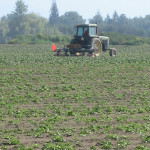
(53, 47)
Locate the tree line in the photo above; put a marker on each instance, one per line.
(20, 22)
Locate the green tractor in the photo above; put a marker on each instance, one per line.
(86, 42)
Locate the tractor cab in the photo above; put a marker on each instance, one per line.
(84, 35)
(87, 30)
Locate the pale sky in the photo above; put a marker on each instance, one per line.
(86, 8)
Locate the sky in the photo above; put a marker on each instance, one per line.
(86, 8)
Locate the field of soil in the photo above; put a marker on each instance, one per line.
(74, 103)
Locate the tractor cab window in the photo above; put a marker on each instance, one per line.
(92, 31)
(79, 31)
(82, 31)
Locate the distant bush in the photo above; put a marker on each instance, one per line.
(119, 39)
(115, 39)
(40, 39)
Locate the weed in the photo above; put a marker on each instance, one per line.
(140, 147)
(106, 144)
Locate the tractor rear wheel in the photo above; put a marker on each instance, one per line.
(96, 45)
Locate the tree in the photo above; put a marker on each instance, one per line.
(21, 9)
(72, 18)
(107, 19)
(115, 17)
(68, 21)
(3, 30)
(123, 20)
(97, 19)
(17, 22)
(54, 14)
(35, 24)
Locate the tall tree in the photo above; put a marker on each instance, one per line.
(54, 14)
(3, 30)
(107, 20)
(115, 17)
(21, 8)
(123, 20)
(97, 19)
(17, 22)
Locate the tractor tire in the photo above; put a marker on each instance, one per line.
(112, 52)
(96, 45)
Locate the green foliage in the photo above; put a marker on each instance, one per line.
(3, 30)
(59, 146)
(106, 144)
(119, 39)
(68, 21)
(146, 138)
(115, 39)
(39, 39)
(21, 8)
(17, 22)
(97, 19)
(140, 147)
(123, 25)
(10, 140)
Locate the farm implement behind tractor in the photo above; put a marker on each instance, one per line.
(86, 42)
